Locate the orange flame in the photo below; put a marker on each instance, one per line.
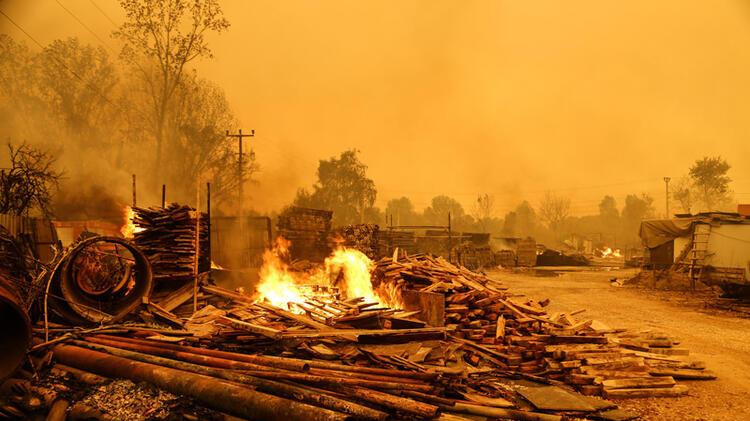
(608, 252)
(350, 269)
(277, 285)
(128, 229)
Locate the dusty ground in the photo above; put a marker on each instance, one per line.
(720, 339)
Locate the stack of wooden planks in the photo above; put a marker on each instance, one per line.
(308, 230)
(518, 334)
(167, 237)
(362, 237)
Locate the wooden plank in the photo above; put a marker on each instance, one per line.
(177, 297)
(638, 383)
(250, 327)
(553, 398)
(662, 392)
(431, 306)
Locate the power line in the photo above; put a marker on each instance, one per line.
(80, 22)
(61, 63)
(102, 12)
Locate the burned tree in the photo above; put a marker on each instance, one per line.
(28, 183)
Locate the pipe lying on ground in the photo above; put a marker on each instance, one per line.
(187, 354)
(277, 388)
(210, 392)
(281, 362)
(265, 372)
(15, 335)
(180, 355)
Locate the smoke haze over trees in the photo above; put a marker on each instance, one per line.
(144, 111)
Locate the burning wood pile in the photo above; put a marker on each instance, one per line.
(167, 236)
(342, 342)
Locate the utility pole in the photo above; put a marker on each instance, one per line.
(240, 168)
(666, 184)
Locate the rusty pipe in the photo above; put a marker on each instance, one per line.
(15, 335)
(286, 363)
(204, 360)
(213, 393)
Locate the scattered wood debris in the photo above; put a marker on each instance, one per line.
(469, 347)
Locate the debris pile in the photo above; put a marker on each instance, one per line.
(329, 357)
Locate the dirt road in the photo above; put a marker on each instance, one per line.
(721, 340)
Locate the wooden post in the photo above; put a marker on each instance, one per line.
(196, 272)
(133, 190)
(208, 222)
(163, 196)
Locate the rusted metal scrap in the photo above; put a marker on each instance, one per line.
(15, 335)
(100, 280)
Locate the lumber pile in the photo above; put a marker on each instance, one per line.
(526, 252)
(362, 237)
(519, 335)
(391, 239)
(328, 357)
(168, 239)
(308, 230)
(473, 256)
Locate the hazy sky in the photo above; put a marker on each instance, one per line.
(510, 98)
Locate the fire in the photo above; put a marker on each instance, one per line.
(348, 269)
(355, 268)
(608, 252)
(128, 228)
(277, 285)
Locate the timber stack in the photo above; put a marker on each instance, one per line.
(362, 237)
(167, 237)
(308, 230)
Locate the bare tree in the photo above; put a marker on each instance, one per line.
(553, 210)
(682, 192)
(27, 184)
(160, 39)
(483, 210)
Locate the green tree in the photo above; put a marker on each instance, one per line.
(343, 187)
(402, 210)
(636, 209)
(440, 207)
(74, 81)
(159, 39)
(521, 222)
(711, 182)
(608, 214)
(199, 140)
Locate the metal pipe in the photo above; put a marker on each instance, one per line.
(294, 391)
(15, 335)
(213, 393)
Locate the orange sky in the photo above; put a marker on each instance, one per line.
(509, 98)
